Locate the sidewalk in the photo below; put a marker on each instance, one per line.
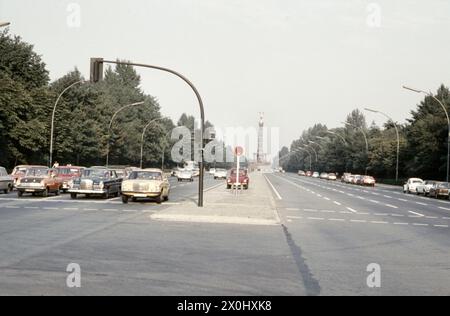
(254, 206)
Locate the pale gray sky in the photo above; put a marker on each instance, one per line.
(300, 62)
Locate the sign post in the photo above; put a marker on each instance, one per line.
(238, 151)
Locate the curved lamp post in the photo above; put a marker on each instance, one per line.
(338, 135)
(143, 134)
(365, 139)
(398, 137)
(95, 75)
(53, 118)
(297, 150)
(110, 124)
(448, 123)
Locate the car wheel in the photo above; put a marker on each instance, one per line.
(124, 199)
(19, 193)
(73, 196)
(159, 198)
(57, 192)
(228, 186)
(45, 193)
(246, 187)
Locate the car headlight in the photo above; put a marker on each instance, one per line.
(42, 183)
(101, 185)
(70, 183)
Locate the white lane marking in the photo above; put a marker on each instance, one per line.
(337, 219)
(380, 214)
(326, 211)
(109, 210)
(70, 208)
(420, 203)
(148, 211)
(445, 226)
(419, 224)
(415, 213)
(391, 206)
(401, 223)
(344, 212)
(387, 196)
(292, 209)
(358, 221)
(374, 201)
(273, 188)
(378, 222)
(50, 208)
(326, 198)
(318, 195)
(403, 200)
(364, 213)
(316, 218)
(445, 217)
(431, 217)
(352, 210)
(90, 209)
(444, 208)
(294, 217)
(12, 207)
(31, 207)
(337, 203)
(397, 215)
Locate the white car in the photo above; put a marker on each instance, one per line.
(332, 176)
(6, 181)
(220, 174)
(411, 185)
(147, 183)
(185, 175)
(316, 175)
(212, 170)
(425, 187)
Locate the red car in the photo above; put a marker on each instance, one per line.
(309, 173)
(243, 178)
(65, 174)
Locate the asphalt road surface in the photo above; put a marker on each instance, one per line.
(329, 234)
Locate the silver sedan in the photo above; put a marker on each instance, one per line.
(6, 181)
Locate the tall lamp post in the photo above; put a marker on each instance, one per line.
(398, 137)
(110, 124)
(143, 134)
(448, 123)
(365, 139)
(297, 150)
(96, 75)
(53, 118)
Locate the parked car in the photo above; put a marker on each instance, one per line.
(220, 174)
(316, 175)
(185, 175)
(308, 173)
(332, 176)
(424, 187)
(345, 177)
(6, 181)
(20, 171)
(350, 179)
(243, 178)
(410, 186)
(39, 180)
(301, 173)
(212, 170)
(66, 174)
(146, 183)
(368, 180)
(440, 189)
(358, 180)
(96, 181)
(195, 172)
(324, 176)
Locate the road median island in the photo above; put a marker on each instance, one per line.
(254, 206)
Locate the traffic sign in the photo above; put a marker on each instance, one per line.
(238, 151)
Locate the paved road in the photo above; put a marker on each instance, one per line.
(329, 233)
(121, 251)
(340, 229)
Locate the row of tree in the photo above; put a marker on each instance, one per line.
(81, 133)
(423, 145)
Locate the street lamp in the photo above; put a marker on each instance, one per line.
(398, 137)
(143, 134)
(110, 124)
(365, 138)
(297, 150)
(448, 123)
(2, 24)
(53, 118)
(315, 152)
(96, 75)
(315, 143)
(340, 136)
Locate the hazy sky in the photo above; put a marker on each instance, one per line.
(300, 62)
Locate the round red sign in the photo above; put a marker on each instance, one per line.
(238, 151)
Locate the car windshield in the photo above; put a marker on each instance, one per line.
(95, 173)
(145, 175)
(19, 170)
(68, 171)
(220, 170)
(443, 185)
(417, 181)
(37, 172)
(241, 172)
